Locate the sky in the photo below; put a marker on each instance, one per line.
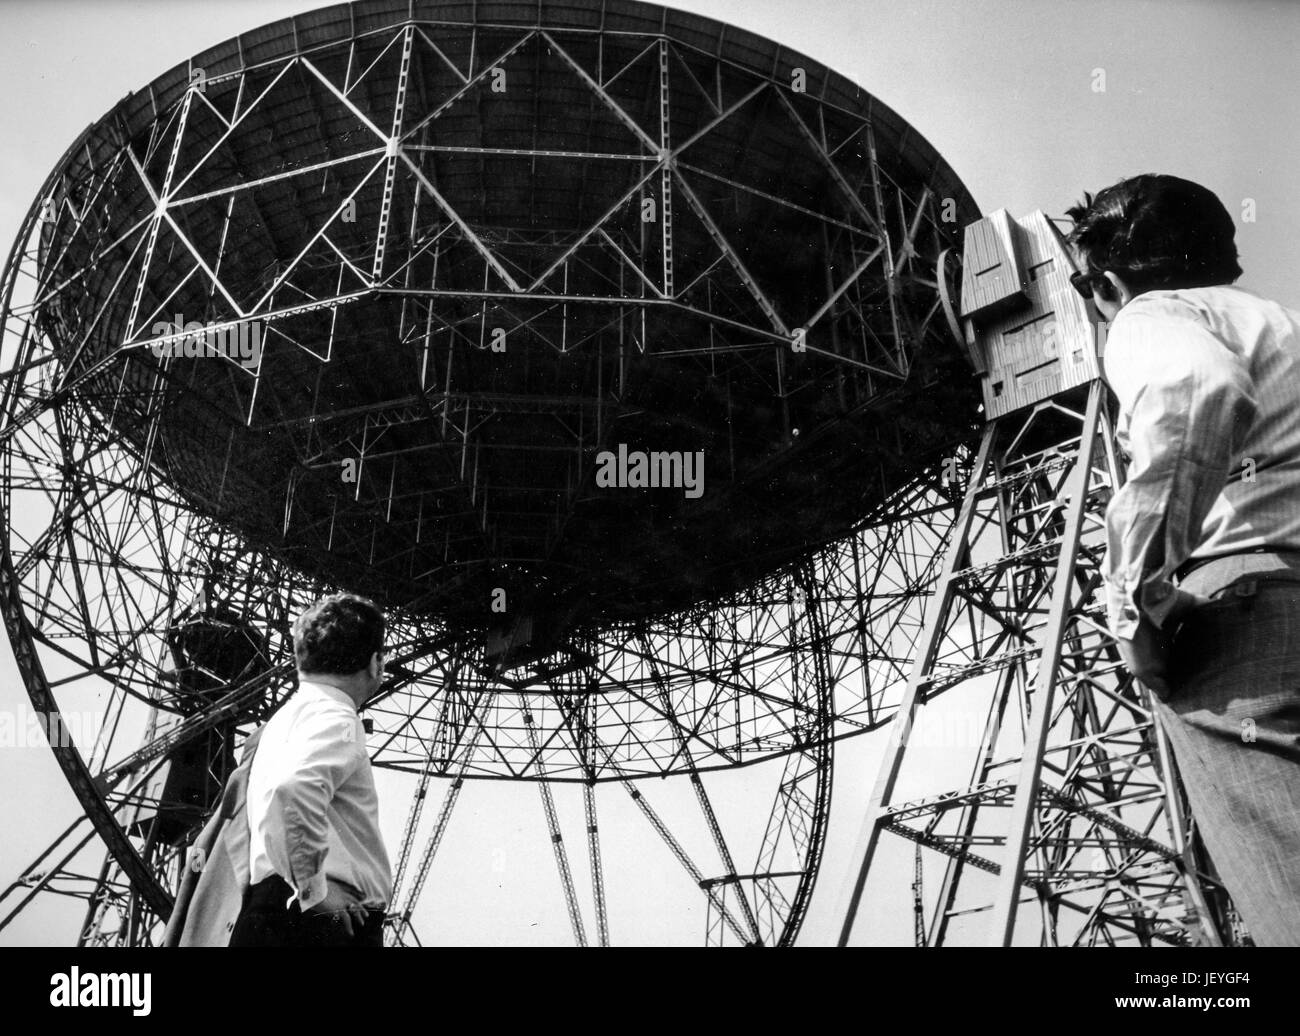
(1007, 93)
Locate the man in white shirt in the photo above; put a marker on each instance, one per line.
(318, 870)
(1203, 539)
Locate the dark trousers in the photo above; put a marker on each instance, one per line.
(264, 920)
(1233, 719)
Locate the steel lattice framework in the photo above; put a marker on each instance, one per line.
(1057, 817)
(481, 243)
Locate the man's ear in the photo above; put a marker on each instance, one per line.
(1113, 289)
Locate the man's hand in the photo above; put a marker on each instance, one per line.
(346, 912)
(1147, 656)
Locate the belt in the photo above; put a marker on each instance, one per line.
(273, 892)
(1192, 564)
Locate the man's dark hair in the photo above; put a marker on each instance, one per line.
(338, 634)
(1156, 231)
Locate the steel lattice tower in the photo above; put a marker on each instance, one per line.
(483, 244)
(1065, 823)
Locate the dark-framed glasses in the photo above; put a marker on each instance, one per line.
(1084, 283)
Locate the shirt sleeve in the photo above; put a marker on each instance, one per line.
(1186, 405)
(322, 751)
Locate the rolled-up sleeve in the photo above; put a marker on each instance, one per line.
(323, 752)
(1186, 404)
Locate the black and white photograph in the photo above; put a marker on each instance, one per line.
(556, 474)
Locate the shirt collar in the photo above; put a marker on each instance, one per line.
(342, 697)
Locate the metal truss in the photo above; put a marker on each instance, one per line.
(451, 475)
(1069, 827)
(783, 670)
(162, 520)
